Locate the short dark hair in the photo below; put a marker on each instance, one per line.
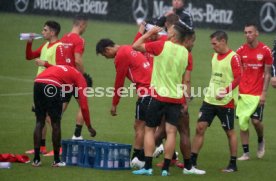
(102, 44)
(219, 35)
(54, 26)
(172, 19)
(251, 24)
(183, 31)
(78, 18)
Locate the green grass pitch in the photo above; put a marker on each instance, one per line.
(17, 121)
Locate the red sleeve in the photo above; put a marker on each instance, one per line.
(190, 62)
(32, 54)
(236, 69)
(121, 65)
(60, 57)
(268, 56)
(155, 47)
(79, 48)
(81, 84)
(138, 35)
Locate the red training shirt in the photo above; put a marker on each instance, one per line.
(253, 64)
(133, 65)
(73, 43)
(65, 74)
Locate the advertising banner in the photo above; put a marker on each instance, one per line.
(216, 14)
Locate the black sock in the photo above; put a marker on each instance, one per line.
(174, 156)
(245, 148)
(148, 164)
(56, 156)
(194, 158)
(136, 153)
(141, 156)
(166, 164)
(187, 164)
(260, 139)
(36, 154)
(78, 130)
(233, 160)
(43, 142)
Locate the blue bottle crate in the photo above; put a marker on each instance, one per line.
(95, 154)
(70, 151)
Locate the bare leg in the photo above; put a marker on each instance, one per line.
(139, 127)
(199, 136)
(170, 142)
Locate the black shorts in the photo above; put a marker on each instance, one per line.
(208, 112)
(141, 108)
(47, 103)
(258, 114)
(157, 109)
(67, 97)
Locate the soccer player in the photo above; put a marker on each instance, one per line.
(220, 98)
(178, 9)
(133, 65)
(48, 90)
(169, 65)
(273, 68)
(50, 52)
(256, 62)
(74, 46)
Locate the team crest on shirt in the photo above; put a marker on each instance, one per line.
(260, 57)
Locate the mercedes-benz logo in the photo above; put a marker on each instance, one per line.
(268, 17)
(21, 5)
(140, 9)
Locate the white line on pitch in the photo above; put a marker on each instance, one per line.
(16, 94)
(15, 79)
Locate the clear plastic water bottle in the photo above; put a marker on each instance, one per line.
(75, 149)
(110, 158)
(91, 155)
(126, 158)
(28, 36)
(150, 26)
(102, 158)
(116, 158)
(6, 165)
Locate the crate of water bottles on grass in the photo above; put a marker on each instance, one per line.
(96, 154)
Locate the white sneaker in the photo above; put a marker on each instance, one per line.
(193, 171)
(158, 151)
(136, 163)
(59, 164)
(77, 138)
(244, 157)
(261, 149)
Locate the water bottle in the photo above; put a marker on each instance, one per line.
(150, 26)
(102, 158)
(75, 154)
(116, 158)
(91, 155)
(126, 157)
(28, 36)
(5, 165)
(110, 158)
